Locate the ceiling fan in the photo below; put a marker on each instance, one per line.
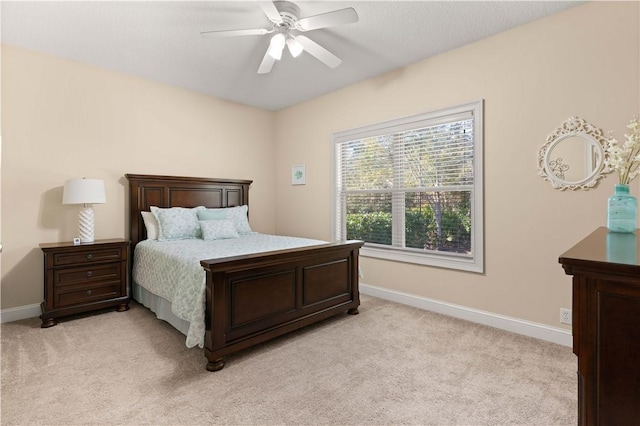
(285, 21)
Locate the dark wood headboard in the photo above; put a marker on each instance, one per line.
(178, 191)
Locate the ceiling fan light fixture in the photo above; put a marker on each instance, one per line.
(276, 46)
(295, 48)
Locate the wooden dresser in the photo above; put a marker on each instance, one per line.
(85, 277)
(606, 326)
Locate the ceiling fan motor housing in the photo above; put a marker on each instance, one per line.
(290, 14)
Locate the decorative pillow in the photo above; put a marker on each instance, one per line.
(219, 229)
(238, 215)
(151, 225)
(177, 223)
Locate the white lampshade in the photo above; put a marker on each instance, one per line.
(84, 191)
(294, 47)
(276, 46)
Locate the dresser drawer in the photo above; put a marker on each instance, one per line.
(87, 294)
(87, 275)
(87, 256)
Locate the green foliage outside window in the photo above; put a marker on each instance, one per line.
(421, 230)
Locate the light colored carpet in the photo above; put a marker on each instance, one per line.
(392, 364)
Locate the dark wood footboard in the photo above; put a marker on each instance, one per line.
(254, 298)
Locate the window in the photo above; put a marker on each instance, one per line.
(411, 188)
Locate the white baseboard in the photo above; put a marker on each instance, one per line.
(20, 313)
(514, 325)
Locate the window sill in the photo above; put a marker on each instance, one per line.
(449, 261)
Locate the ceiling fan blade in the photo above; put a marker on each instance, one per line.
(329, 19)
(271, 11)
(266, 64)
(235, 33)
(322, 54)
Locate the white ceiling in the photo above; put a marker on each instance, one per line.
(161, 41)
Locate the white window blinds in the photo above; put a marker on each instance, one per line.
(412, 184)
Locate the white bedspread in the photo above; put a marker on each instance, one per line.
(172, 270)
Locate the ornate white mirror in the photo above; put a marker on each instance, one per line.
(574, 156)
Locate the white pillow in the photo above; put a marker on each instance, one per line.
(218, 229)
(151, 225)
(238, 215)
(177, 223)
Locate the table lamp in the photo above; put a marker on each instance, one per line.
(84, 191)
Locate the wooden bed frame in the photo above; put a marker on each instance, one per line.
(253, 298)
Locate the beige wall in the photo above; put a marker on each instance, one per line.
(583, 62)
(64, 120)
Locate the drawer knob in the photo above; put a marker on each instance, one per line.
(89, 273)
(89, 292)
(89, 256)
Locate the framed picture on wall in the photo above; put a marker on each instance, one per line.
(298, 175)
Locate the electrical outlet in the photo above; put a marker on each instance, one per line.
(565, 316)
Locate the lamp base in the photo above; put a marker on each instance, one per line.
(85, 225)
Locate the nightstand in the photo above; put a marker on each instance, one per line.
(83, 278)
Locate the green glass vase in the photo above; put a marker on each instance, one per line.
(622, 214)
(622, 247)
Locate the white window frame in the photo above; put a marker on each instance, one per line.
(473, 263)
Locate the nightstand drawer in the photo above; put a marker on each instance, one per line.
(87, 275)
(86, 294)
(87, 256)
